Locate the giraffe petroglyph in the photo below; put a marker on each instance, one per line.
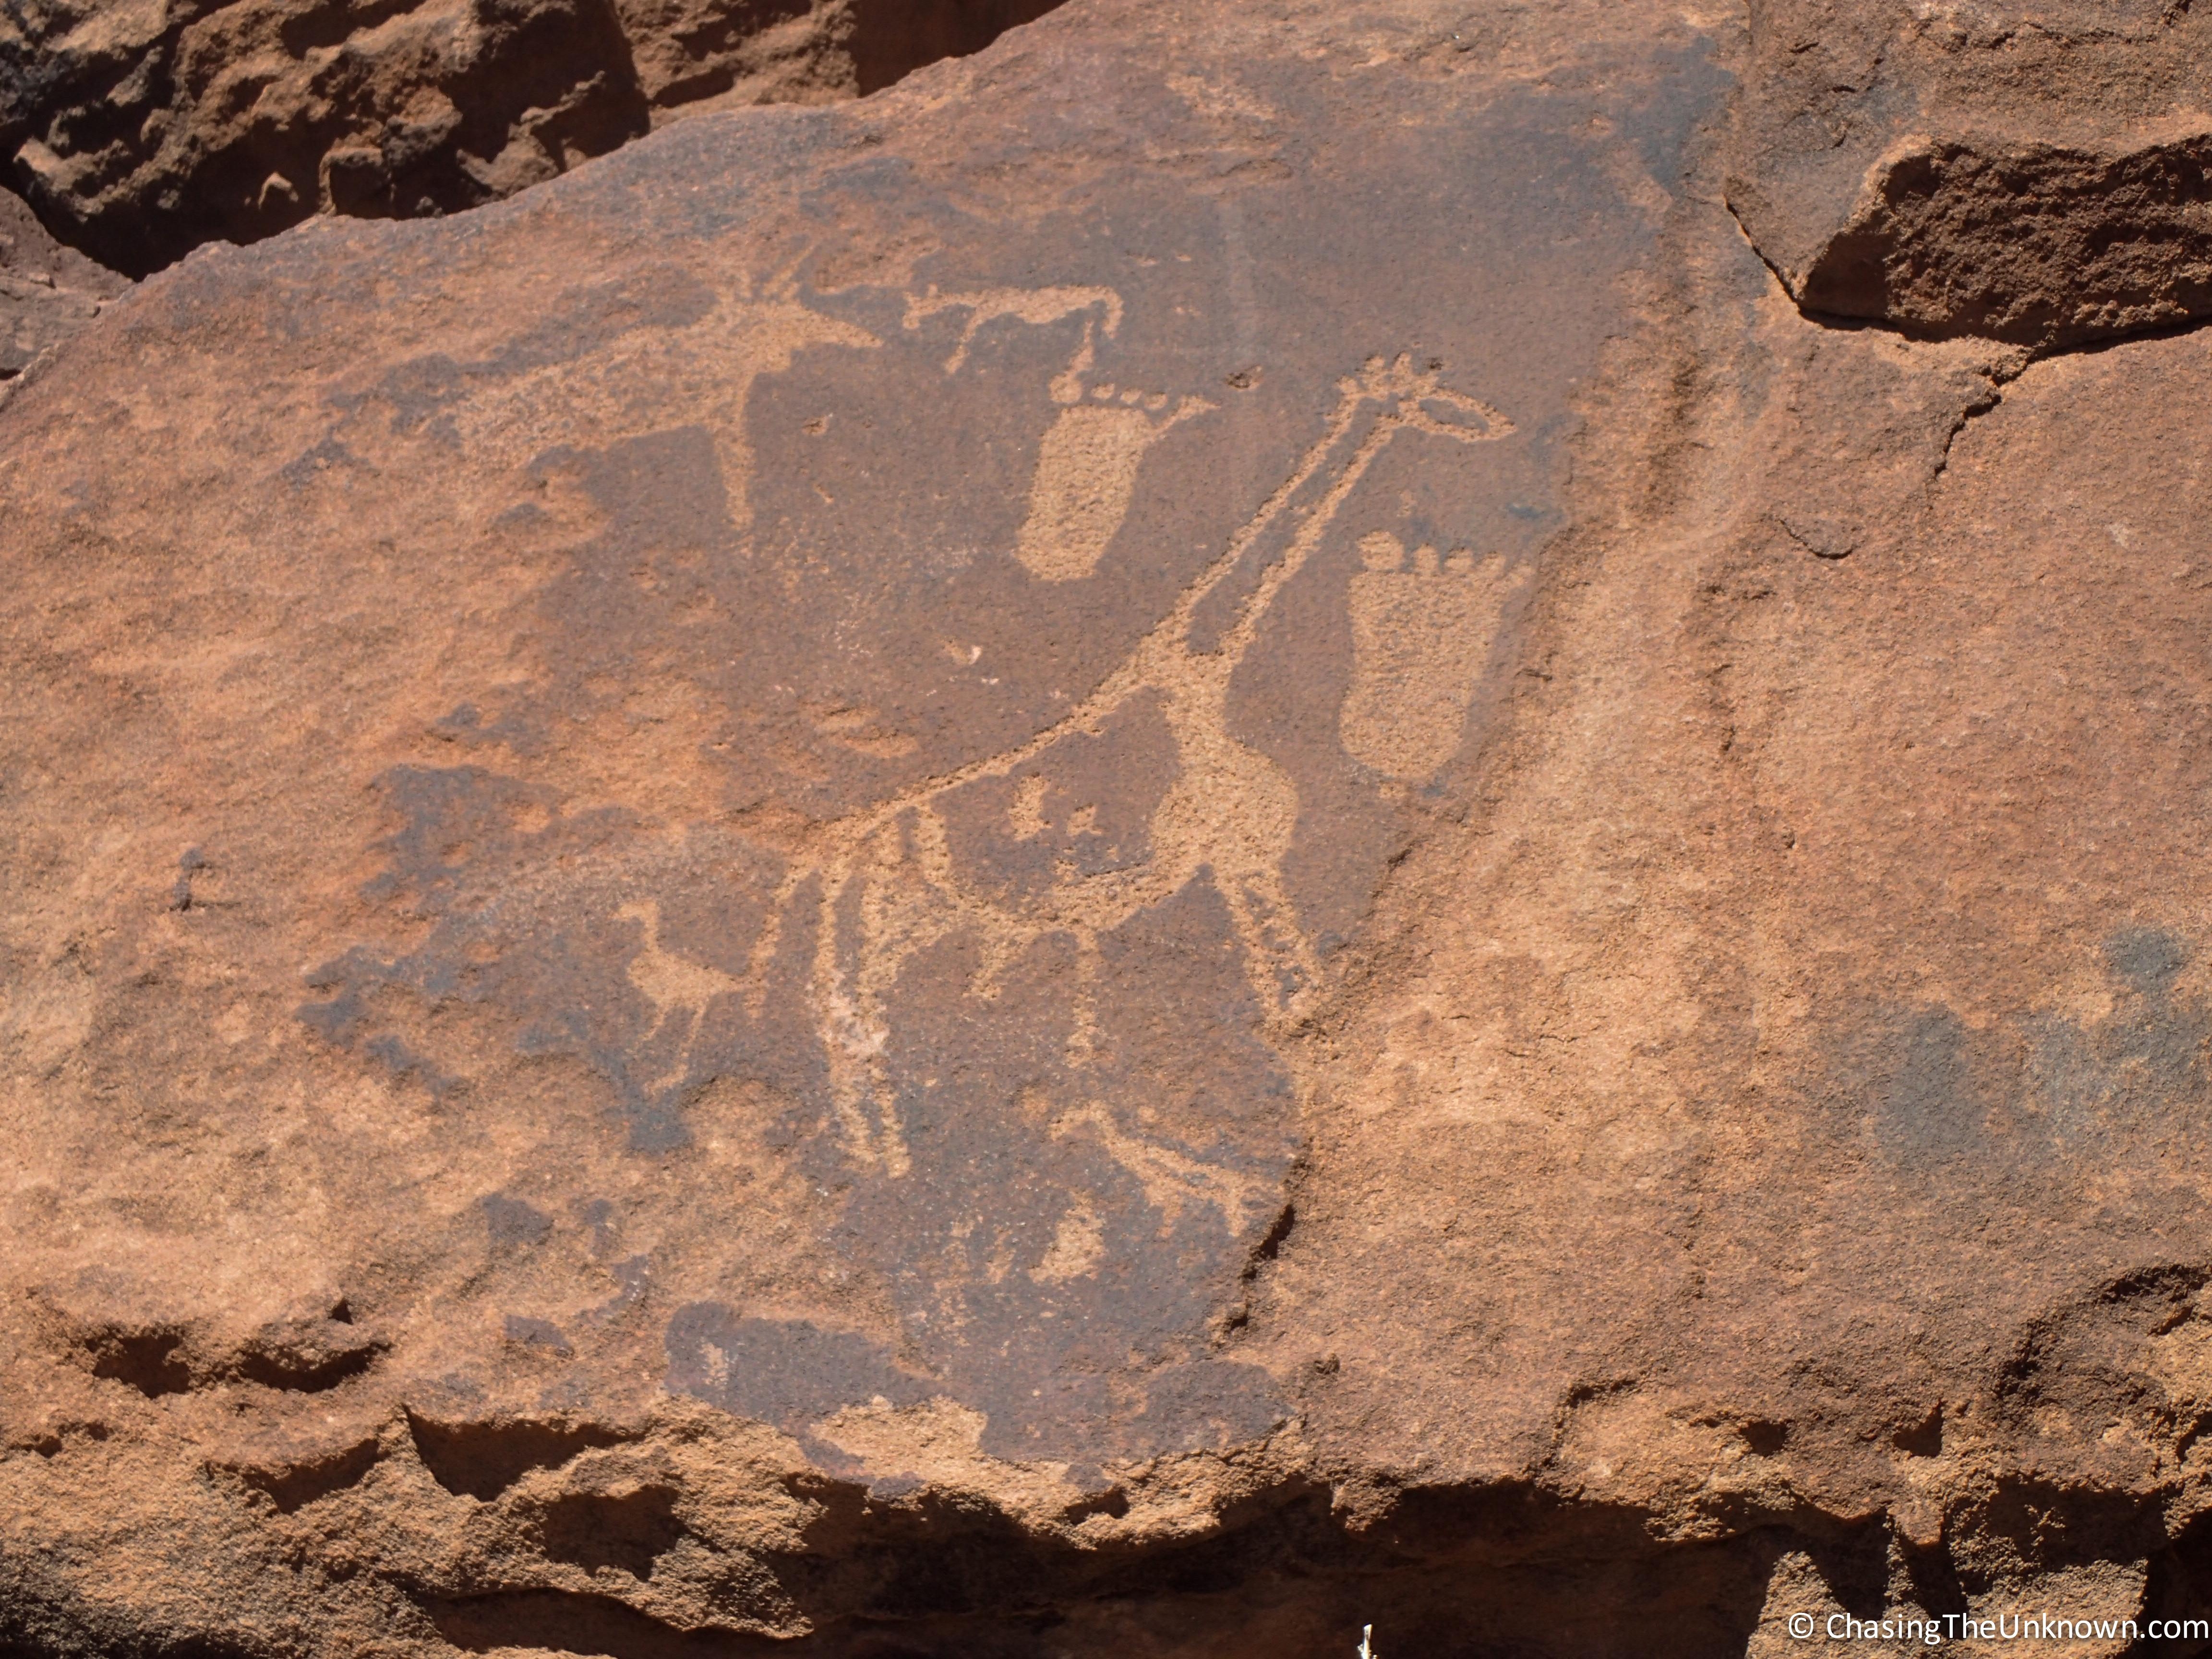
(883, 880)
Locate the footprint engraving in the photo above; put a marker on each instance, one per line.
(1420, 636)
(1086, 470)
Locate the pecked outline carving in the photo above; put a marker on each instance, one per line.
(883, 880)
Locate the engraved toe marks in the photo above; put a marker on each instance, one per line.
(1422, 632)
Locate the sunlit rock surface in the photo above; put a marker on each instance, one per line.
(1190, 840)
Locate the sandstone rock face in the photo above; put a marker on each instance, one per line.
(1191, 839)
(142, 131)
(47, 292)
(2030, 171)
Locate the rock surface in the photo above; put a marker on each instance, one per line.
(47, 292)
(2038, 172)
(140, 131)
(1191, 840)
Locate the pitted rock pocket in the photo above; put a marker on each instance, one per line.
(627, 1528)
(293, 1480)
(151, 1358)
(308, 1354)
(305, 1352)
(483, 1457)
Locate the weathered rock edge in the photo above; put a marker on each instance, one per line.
(139, 134)
(2037, 177)
(47, 292)
(559, 1532)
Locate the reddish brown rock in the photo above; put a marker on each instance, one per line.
(140, 132)
(1189, 842)
(47, 292)
(2028, 171)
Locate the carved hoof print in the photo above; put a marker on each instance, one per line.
(1420, 633)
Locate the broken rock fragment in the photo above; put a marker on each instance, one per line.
(2027, 173)
(139, 133)
(47, 291)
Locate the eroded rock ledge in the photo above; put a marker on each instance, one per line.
(685, 1531)
(140, 132)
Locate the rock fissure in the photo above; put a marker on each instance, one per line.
(1978, 406)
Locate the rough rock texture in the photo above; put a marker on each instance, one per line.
(47, 292)
(1191, 840)
(2038, 172)
(141, 129)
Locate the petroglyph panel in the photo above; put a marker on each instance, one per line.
(960, 791)
(912, 746)
(1023, 906)
(1080, 954)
